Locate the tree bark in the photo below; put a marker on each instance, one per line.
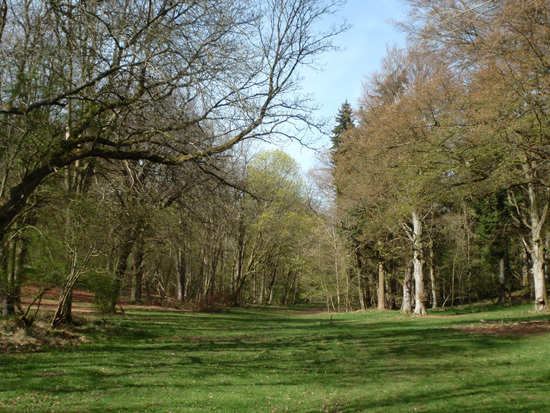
(432, 275)
(64, 313)
(181, 274)
(270, 289)
(525, 269)
(407, 287)
(381, 286)
(502, 279)
(132, 236)
(418, 264)
(361, 293)
(360, 283)
(537, 255)
(537, 221)
(13, 257)
(136, 291)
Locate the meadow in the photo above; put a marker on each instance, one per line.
(490, 359)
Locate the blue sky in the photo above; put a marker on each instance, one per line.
(344, 72)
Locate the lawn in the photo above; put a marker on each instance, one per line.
(277, 360)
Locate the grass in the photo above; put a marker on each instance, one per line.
(280, 360)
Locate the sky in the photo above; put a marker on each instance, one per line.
(344, 72)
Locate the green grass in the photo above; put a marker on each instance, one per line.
(275, 360)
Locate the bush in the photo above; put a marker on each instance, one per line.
(213, 303)
(106, 291)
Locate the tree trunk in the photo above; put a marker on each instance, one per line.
(381, 286)
(8, 284)
(360, 283)
(361, 292)
(525, 271)
(293, 287)
(537, 255)
(538, 211)
(135, 293)
(537, 245)
(181, 275)
(348, 304)
(336, 273)
(216, 251)
(393, 289)
(270, 289)
(239, 259)
(64, 314)
(453, 282)
(418, 264)
(122, 265)
(13, 257)
(502, 280)
(407, 287)
(432, 275)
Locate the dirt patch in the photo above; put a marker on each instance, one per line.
(500, 328)
(30, 291)
(83, 301)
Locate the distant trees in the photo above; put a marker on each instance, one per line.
(232, 232)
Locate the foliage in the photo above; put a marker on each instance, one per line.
(85, 86)
(344, 122)
(456, 115)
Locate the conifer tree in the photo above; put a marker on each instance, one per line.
(344, 122)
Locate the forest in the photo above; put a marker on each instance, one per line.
(441, 173)
(129, 169)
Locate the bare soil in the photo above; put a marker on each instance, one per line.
(83, 301)
(500, 328)
(50, 299)
(20, 339)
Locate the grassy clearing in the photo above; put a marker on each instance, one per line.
(279, 360)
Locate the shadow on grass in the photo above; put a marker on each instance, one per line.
(188, 353)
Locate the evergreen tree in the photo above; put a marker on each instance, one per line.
(344, 122)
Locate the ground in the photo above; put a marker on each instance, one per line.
(302, 359)
(521, 328)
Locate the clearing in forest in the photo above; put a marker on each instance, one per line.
(265, 360)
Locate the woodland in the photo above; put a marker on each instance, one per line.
(441, 174)
(128, 167)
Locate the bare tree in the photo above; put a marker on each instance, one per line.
(158, 72)
(167, 82)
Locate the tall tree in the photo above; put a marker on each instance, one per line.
(500, 50)
(344, 122)
(273, 219)
(392, 165)
(137, 80)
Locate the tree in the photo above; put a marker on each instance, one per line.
(391, 165)
(493, 230)
(273, 222)
(499, 49)
(344, 122)
(167, 82)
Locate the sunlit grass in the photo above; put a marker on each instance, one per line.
(275, 360)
